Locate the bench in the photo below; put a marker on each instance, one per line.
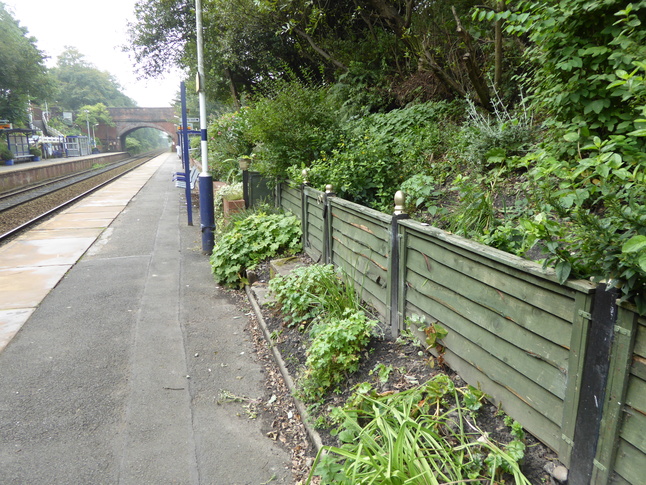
(180, 178)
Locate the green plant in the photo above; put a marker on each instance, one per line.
(594, 206)
(228, 139)
(514, 449)
(231, 191)
(35, 151)
(421, 190)
(578, 47)
(249, 241)
(412, 437)
(475, 214)
(291, 123)
(314, 291)
(434, 331)
(377, 153)
(383, 372)
(335, 352)
(5, 153)
(489, 140)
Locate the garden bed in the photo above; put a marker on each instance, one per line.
(407, 365)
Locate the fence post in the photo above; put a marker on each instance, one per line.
(278, 195)
(244, 163)
(593, 384)
(305, 184)
(394, 260)
(327, 224)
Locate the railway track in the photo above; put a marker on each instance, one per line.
(20, 209)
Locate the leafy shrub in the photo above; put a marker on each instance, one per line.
(314, 291)
(291, 123)
(578, 49)
(228, 139)
(5, 153)
(335, 352)
(601, 204)
(421, 189)
(380, 151)
(251, 240)
(357, 93)
(489, 140)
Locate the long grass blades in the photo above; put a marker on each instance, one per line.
(421, 436)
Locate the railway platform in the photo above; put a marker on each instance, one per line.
(116, 345)
(24, 173)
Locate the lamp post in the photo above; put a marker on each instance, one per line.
(207, 213)
(87, 120)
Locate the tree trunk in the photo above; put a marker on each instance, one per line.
(498, 45)
(232, 87)
(473, 70)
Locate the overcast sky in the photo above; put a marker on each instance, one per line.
(98, 30)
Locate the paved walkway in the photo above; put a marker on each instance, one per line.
(115, 375)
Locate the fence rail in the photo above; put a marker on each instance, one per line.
(562, 359)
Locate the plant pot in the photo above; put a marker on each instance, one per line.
(8, 162)
(35, 159)
(232, 206)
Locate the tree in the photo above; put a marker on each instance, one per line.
(89, 116)
(79, 83)
(23, 75)
(243, 46)
(159, 37)
(435, 46)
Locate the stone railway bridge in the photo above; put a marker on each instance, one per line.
(128, 120)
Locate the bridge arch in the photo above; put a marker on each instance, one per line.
(127, 120)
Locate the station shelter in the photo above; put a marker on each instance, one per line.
(19, 142)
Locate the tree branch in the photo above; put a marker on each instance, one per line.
(319, 50)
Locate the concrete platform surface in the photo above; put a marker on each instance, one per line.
(122, 347)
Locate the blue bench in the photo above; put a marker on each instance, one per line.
(180, 178)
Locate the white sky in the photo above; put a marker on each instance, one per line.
(97, 28)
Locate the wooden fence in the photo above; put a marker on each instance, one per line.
(562, 359)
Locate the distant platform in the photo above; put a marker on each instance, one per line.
(29, 172)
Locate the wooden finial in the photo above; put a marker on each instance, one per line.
(400, 202)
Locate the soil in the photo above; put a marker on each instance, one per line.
(411, 366)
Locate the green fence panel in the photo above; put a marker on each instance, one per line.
(313, 240)
(289, 199)
(510, 323)
(514, 331)
(360, 245)
(621, 452)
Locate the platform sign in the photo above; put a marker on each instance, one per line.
(5, 125)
